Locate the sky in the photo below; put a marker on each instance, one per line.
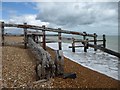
(92, 17)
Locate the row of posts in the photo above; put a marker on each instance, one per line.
(43, 38)
(59, 39)
(85, 42)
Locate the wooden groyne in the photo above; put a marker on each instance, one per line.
(46, 67)
(85, 41)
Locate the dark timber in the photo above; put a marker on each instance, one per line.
(2, 28)
(25, 36)
(85, 41)
(105, 50)
(59, 39)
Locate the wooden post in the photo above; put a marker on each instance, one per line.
(84, 43)
(59, 62)
(37, 38)
(33, 37)
(73, 45)
(2, 27)
(87, 43)
(25, 36)
(95, 41)
(59, 40)
(44, 38)
(84, 36)
(104, 41)
(85, 46)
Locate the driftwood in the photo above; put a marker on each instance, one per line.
(45, 65)
(39, 81)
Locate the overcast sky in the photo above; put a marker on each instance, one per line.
(92, 17)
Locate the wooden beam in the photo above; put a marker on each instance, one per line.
(48, 42)
(40, 34)
(105, 50)
(96, 40)
(47, 29)
(75, 46)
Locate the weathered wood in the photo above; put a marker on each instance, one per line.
(105, 50)
(104, 41)
(66, 38)
(48, 42)
(39, 81)
(59, 40)
(84, 36)
(47, 29)
(2, 28)
(41, 34)
(33, 37)
(10, 35)
(69, 75)
(73, 45)
(45, 64)
(86, 45)
(25, 36)
(84, 42)
(95, 41)
(59, 62)
(44, 38)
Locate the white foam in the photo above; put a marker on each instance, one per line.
(95, 60)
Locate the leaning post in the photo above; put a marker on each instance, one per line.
(44, 38)
(95, 41)
(73, 45)
(59, 62)
(59, 39)
(104, 41)
(2, 29)
(25, 35)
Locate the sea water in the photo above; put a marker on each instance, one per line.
(95, 60)
(112, 41)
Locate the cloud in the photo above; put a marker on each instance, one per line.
(75, 0)
(86, 16)
(29, 18)
(75, 14)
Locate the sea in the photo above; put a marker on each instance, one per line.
(98, 61)
(112, 41)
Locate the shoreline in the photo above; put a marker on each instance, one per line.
(95, 60)
(85, 76)
(19, 64)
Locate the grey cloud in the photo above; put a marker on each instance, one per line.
(71, 14)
